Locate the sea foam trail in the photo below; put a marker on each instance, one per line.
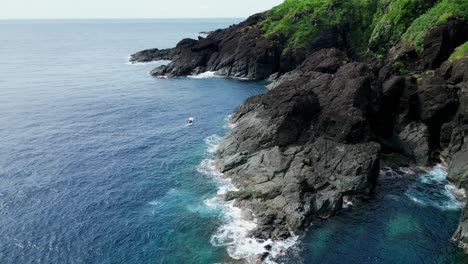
(234, 232)
(432, 189)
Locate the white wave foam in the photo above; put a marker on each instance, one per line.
(433, 189)
(206, 167)
(416, 200)
(227, 124)
(213, 144)
(212, 74)
(456, 197)
(204, 75)
(347, 204)
(407, 171)
(234, 233)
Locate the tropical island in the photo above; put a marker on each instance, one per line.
(356, 86)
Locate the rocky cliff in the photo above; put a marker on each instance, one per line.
(356, 85)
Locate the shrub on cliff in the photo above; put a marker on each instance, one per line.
(304, 20)
(460, 52)
(360, 25)
(392, 20)
(438, 14)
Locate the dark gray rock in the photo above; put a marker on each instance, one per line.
(458, 148)
(442, 40)
(323, 61)
(151, 55)
(298, 149)
(438, 100)
(414, 141)
(317, 136)
(461, 234)
(240, 51)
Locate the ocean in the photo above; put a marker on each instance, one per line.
(98, 164)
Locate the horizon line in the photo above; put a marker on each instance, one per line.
(115, 18)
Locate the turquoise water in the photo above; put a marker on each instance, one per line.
(410, 220)
(97, 164)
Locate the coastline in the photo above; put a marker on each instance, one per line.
(330, 117)
(240, 221)
(235, 233)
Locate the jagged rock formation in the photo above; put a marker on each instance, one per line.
(455, 134)
(241, 51)
(333, 115)
(320, 134)
(298, 149)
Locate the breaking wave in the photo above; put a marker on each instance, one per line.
(233, 234)
(204, 75)
(432, 189)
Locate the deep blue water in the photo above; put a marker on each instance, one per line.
(97, 164)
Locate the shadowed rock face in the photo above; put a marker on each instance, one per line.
(442, 40)
(240, 51)
(455, 134)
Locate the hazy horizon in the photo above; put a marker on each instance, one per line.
(126, 9)
(123, 18)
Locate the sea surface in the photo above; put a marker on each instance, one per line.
(98, 164)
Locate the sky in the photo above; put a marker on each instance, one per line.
(53, 9)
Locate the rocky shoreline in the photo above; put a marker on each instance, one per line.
(330, 119)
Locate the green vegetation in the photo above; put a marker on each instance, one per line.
(418, 78)
(247, 28)
(430, 73)
(362, 24)
(392, 20)
(303, 20)
(436, 15)
(401, 67)
(460, 52)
